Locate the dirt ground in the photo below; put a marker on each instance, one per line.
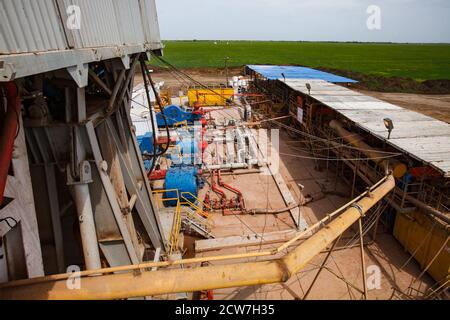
(342, 276)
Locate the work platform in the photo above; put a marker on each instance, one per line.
(421, 137)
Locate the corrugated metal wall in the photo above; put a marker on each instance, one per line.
(40, 25)
(151, 27)
(99, 27)
(423, 237)
(30, 26)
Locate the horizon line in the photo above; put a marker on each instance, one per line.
(307, 41)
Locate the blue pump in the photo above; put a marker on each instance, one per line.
(175, 114)
(184, 179)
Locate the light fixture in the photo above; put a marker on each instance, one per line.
(308, 86)
(389, 126)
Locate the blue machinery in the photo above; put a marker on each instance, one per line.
(184, 174)
(185, 179)
(175, 114)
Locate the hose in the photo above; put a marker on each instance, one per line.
(275, 211)
(147, 77)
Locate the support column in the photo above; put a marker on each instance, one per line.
(83, 204)
(87, 226)
(363, 262)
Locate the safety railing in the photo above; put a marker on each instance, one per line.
(196, 206)
(183, 199)
(427, 194)
(174, 235)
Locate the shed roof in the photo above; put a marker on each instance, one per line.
(420, 136)
(294, 72)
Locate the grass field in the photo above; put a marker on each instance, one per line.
(416, 61)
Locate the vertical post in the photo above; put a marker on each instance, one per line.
(87, 226)
(355, 172)
(363, 263)
(320, 269)
(226, 68)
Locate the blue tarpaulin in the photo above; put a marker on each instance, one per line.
(292, 72)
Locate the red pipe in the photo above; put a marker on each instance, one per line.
(217, 190)
(227, 186)
(8, 134)
(234, 190)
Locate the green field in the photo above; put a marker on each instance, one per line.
(416, 61)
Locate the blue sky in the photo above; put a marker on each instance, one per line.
(308, 20)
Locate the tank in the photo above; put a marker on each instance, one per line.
(184, 179)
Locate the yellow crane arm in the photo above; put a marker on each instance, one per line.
(151, 283)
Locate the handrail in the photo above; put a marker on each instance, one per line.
(197, 208)
(176, 222)
(196, 198)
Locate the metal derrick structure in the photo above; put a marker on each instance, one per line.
(88, 180)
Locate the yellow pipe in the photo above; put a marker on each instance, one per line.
(128, 285)
(399, 169)
(147, 265)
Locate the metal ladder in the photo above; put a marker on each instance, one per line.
(195, 222)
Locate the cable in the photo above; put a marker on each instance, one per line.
(147, 77)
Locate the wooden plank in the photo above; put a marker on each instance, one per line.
(288, 199)
(245, 240)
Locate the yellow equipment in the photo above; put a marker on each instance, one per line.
(214, 96)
